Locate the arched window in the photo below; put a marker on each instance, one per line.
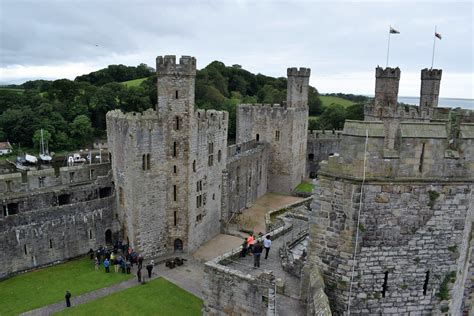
(257, 137)
(178, 245)
(194, 165)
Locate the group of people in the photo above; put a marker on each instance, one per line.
(255, 247)
(121, 258)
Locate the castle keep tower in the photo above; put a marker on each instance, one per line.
(284, 128)
(167, 165)
(386, 91)
(430, 82)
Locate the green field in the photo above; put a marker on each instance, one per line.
(158, 297)
(328, 100)
(12, 89)
(134, 82)
(46, 286)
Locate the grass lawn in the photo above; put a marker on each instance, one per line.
(134, 82)
(304, 187)
(12, 89)
(46, 286)
(328, 100)
(158, 297)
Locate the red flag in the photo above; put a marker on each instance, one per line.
(438, 35)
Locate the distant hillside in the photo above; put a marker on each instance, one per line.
(331, 100)
(134, 82)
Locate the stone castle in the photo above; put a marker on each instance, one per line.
(392, 214)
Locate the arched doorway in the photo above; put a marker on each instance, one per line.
(178, 245)
(108, 237)
(257, 137)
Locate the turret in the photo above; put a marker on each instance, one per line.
(175, 84)
(297, 88)
(430, 82)
(386, 89)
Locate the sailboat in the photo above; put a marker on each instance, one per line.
(44, 155)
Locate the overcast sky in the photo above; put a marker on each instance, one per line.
(342, 42)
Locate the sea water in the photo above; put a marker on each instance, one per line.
(442, 102)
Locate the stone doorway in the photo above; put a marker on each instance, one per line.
(178, 245)
(108, 237)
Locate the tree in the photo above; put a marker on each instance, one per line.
(81, 130)
(333, 117)
(355, 112)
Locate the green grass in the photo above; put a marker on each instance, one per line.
(329, 100)
(158, 297)
(134, 82)
(12, 89)
(304, 187)
(48, 285)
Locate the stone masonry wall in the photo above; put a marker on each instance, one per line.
(246, 176)
(55, 224)
(321, 144)
(404, 232)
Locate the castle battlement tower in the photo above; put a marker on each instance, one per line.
(175, 84)
(386, 89)
(430, 83)
(297, 87)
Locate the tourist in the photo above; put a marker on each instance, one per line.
(97, 263)
(112, 261)
(139, 275)
(244, 249)
(117, 262)
(129, 266)
(123, 265)
(250, 242)
(68, 298)
(91, 253)
(257, 252)
(149, 268)
(140, 261)
(107, 265)
(266, 244)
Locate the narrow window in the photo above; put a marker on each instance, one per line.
(90, 233)
(422, 157)
(219, 155)
(175, 169)
(177, 123)
(176, 94)
(175, 218)
(257, 137)
(50, 244)
(8, 184)
(427, 279)
(41, 182)
(174, 193)
(121, 197)
(301, 89)
(197, 201)
(213, 196)
(5, 211)
(148, 161)
(24, 249)
(71, 177)
(92, 174)
(175, 146)
(384, 286)
(277, 135)
(194, 165)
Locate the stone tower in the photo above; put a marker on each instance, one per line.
(430, 83)
(167, 165)
(284, 128)
(297, 87)
(386, 90)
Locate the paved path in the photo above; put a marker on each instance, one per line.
(90, 296)
(253, 218)
(217, 246)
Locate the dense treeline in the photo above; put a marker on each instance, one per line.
(73, 112)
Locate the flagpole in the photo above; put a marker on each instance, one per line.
(388, 46)
(434, 45)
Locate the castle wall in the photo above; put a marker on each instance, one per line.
(142, 192)
(55, 224)
(245, 176)
(321, 144)
(209, 155)
(284, 129)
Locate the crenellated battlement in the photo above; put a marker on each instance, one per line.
(149, 114)
(166, 65)
(324, 134)
(431, 74)
(301, 72)
(387, 72)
